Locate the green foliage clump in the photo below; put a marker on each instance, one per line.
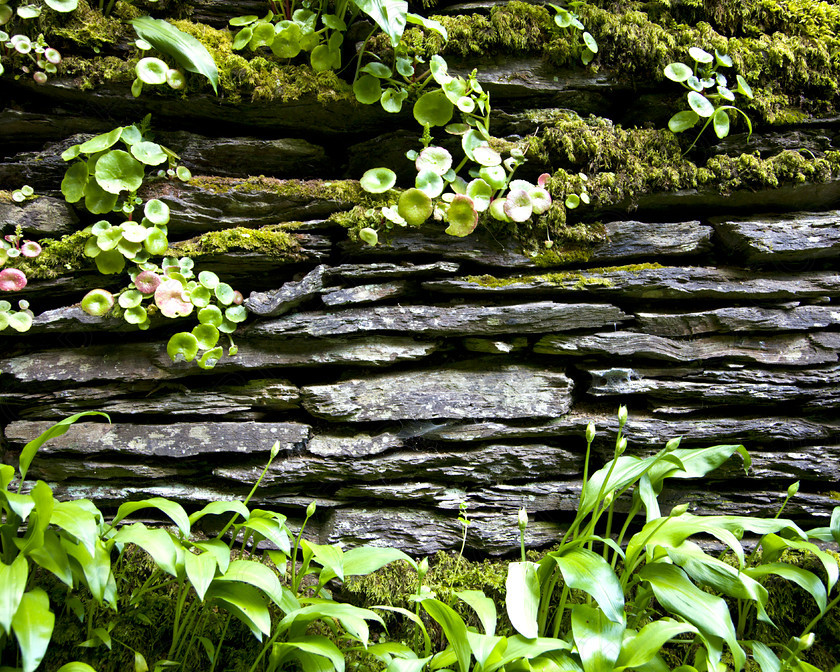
(260, 78)
(58, 257)
(275, 241)
(88, 28)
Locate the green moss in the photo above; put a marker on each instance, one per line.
(57, 258)
(261, 79)
(274, 241)
(587, 278)
(344, 191)
(90, 73)
(87, 27)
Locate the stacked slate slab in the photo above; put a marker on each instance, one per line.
(403, 380)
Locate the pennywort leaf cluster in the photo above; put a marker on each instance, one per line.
(14, 246)
(710, 94)
(39, 59)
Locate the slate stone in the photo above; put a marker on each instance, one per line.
(492, 463)
(54, 468)
(465, 390)
(148, 361)
(791, 350)
(342, 296)
(669, 282)
(157, 400)
(289, 296)
(243, 156)
(819, 463)
(677, 389)
(183, 440)
(630, 240)
(43, 217)
(459, 319)
(738, 319)
(195, 209)
(383, 270)
(22, 129)
(495, 347)
(74, 319)
(643, 430)
(357, 445)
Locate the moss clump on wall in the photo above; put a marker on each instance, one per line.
(581, 279)
(87, 27)
(57, 258)
(621, 165)
(344, 191)
(274, 241)
(91, 73)
(261, 78)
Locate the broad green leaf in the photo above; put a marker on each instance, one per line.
(200, 569)
(701, 55)
(187, 51)
(74, 182)
(434, 109)
(172, 509)
(364, 560)
(219, 549)
(118, 171)
(42, 495)
(74, 518)
(353, 619)
(59, 428)
(259, 576)
(101, 142)
(76, 666)
(587, 571)
(522, 647)
(378, 180)
(33, 626)
(700, 104)
(22, 505)
(218, 508)
(52, 557)
(801, 577)
(97, 200)
(367, 89)
(389, 15)
(453, 627)
(682, 121)
(721, 123)
(709, 614)
(597, 637)
(483, 606)
(773, 545)
(245, 602)
(430, 24)
(643, 647)
(723, 578)
(522, 597)
(182, 345)
(156, 542)
(487, 649)
(151, 154)
(766, 659)
(314, 644)
(12, 584)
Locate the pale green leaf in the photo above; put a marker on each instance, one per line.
(597, 637)
(522, 597)
(33, 626)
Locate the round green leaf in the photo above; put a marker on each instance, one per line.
(367, 89)
(98, 302)
(224, 293)
(700, 55)
(369, 236)
(726, 94)
(723, 60)
(486, 156)
(321, 59)
(287, 41)
(392, 100)
(130, 299)
(151, 70)
(378, 180)
(518, 205)
(429, 182)
(682, 121)
(207, 336)
(242, 38)
(74, 182)
(133, 232)
(480, 192)
(118, 171)
(721, 123)
(462, 216)
(243, 20)
(156, 211)
(743, 87)
(210, 358)
(262, 35)
(20, 321)
(91, 249)
(110, 262)
(200, 297)
(415, 206)
(572, 201)
(700, 104)
(109, 239)
(495, 176)
(236, 314)
(433, 109)
(156, 242)
(183, 173)
(149, 153)
(590, 42)
(182, 346)
(210, 315)
(379, 70)
(63, 5)
(436, 159)
(136, 315)
(678, 72)
(208, 279)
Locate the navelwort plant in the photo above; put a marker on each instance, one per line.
(709, 95)
(13, 279)
(39, 59)
(571, 27)
(108, 179)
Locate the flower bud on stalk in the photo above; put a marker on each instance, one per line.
(310, 510)
(523, 519)
(590, 432)
(622, 415)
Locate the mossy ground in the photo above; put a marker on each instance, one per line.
(580, 279)
(57, 258)
(274, 241)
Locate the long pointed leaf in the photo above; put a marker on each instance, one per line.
(245, 602)
(522, 597)
(61, 427)
(390, 15)
(200, 571)
(453, 627)
(589, 572)
(643, 647)
(483, 606)
(12, 584)
(33, 626)
(598, 638)
(172, 509)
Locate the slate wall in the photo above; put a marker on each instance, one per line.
(404, 379)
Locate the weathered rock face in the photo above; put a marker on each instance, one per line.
(402, 380)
